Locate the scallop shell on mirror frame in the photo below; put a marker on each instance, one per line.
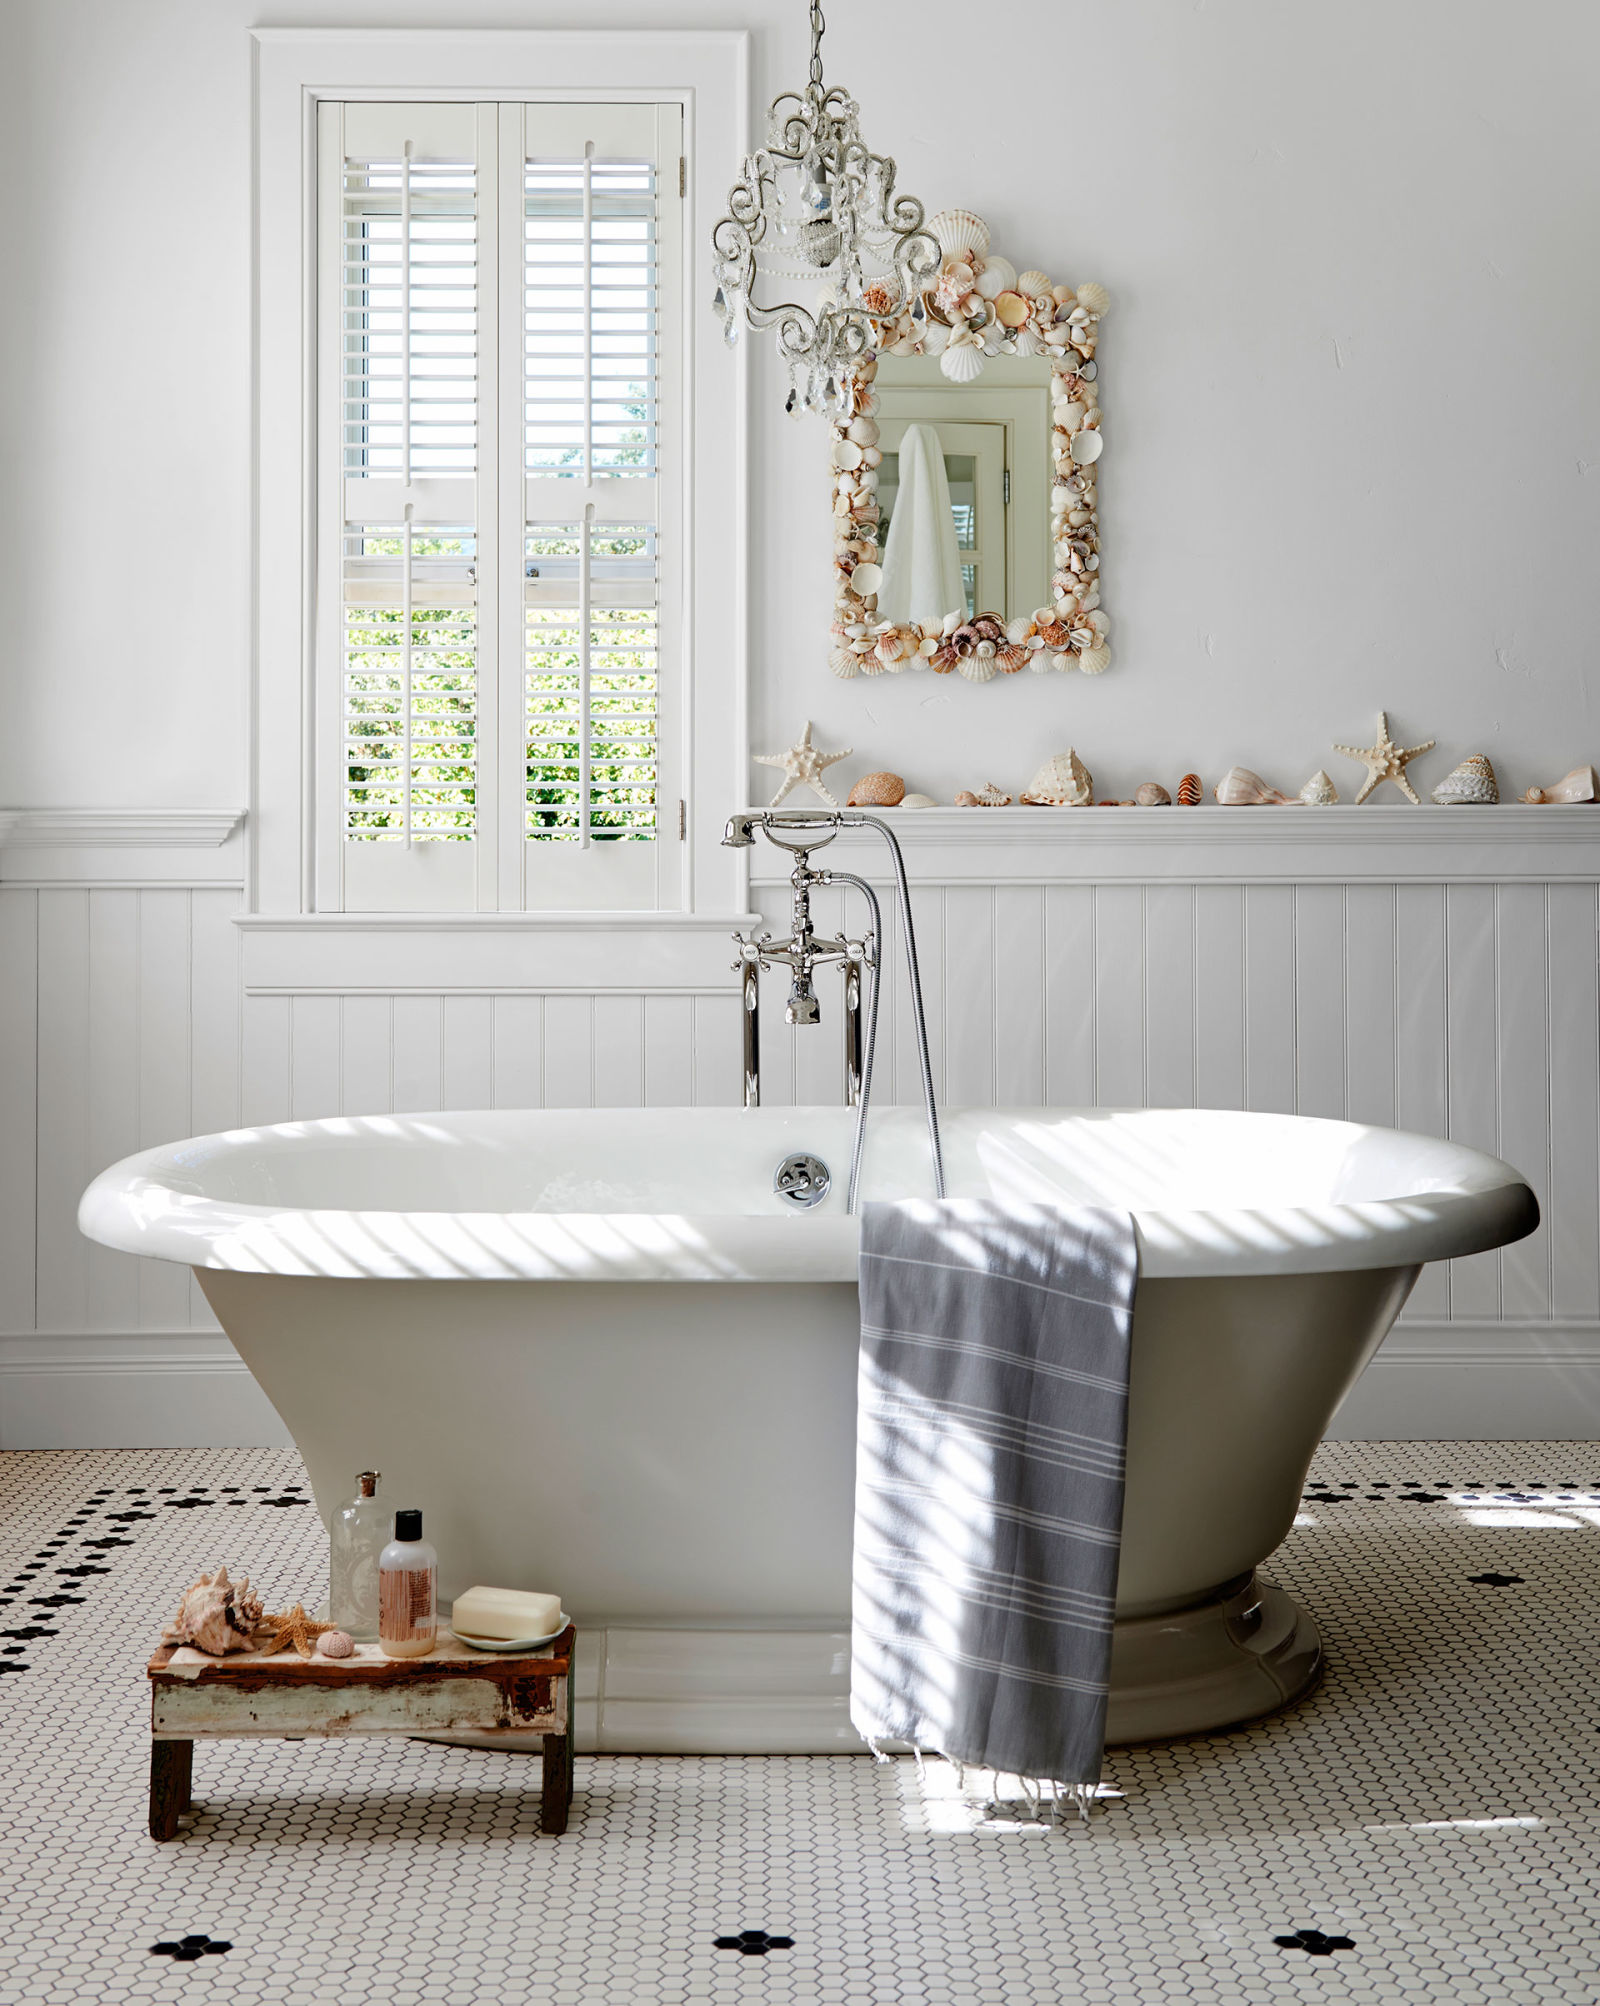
(1087, 447)
(1095, 661)
(1581, 784)
(1191, 791)
(916, 801)
(1011, 309)
(1026, 342)
(963, 364)
(1151, 795)
(877, 790)
(1240, 788)
(845, 663)
(999, 275)
(1062, 782)
(1319, 791)
(1035, 284)
(1472, 784)
(1094, 298)
(865, 580)
(958, 232)
(978, 666)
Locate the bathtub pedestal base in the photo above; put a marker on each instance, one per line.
(1245, 1652)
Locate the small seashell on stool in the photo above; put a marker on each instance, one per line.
(1471, 784)
(988, 796)
(877, 790)
(1151, 795)
(1190, 791)
(1240, 788)
(918, 801)
(335, 1644)
(1062, 782)
(1319, 791)
(216, 1616)
(1581, 784)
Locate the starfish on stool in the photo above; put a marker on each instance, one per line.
(1385, 761)
(802, 766)
(294, 1626)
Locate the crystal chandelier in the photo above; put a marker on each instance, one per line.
(814, 207)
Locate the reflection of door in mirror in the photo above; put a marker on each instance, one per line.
(975, 466)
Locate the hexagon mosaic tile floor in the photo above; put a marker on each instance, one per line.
(1424, 1828)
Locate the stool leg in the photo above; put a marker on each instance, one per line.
(171, 1771)
(556, 1797)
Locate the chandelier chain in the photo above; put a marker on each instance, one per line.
(817, 26)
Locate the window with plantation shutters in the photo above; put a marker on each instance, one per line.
(500, 549)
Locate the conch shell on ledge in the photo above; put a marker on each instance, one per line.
(1062, 782)
(1240, 788)
(1581, 784)
(216, 1616)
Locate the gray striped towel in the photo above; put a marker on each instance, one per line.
(990, 1428)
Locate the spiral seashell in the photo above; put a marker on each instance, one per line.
(962, 364)
(877, 790)
(1093, 298)
(958, 232)
(1151, 795)
(1094, 661)
(1240, 788)
(1471, 784)
(216, 1615)
(998, 275)
(1190, 791)
(1035, 284)
(1581, 784)
(335, 1644)
(1319, 791)
(1062, 782)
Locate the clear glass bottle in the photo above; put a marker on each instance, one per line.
(360, 1532)
(408, 1590)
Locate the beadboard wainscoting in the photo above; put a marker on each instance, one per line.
(1408, 973)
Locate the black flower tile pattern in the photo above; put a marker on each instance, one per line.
(1421, 1832)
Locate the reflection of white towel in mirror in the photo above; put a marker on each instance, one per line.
(921, 562)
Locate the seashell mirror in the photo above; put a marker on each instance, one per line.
(965, 475)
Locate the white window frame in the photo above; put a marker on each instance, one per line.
(291, 946)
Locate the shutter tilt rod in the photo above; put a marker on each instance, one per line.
(586, 527)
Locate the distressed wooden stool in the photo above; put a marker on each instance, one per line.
(452, 1690)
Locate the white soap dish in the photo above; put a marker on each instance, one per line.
(512, 1643)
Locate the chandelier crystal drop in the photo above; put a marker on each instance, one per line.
(815, 208)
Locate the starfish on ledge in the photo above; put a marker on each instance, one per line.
(802, 766)
(293, 1626)
(1386, 761)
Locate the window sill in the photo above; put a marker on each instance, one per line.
(489, 953)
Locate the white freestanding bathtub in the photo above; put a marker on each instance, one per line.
(605, 1358)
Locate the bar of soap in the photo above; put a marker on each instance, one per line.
(505, 1612)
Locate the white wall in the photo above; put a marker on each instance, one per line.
(1350, 399)
(1351, 414)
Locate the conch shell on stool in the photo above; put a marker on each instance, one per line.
(1471, 784)
(216, 1616)
(877, 790)
(1062, 782)
(1319, 791)
(1581, 784)
(988, 796)
(1240, 788)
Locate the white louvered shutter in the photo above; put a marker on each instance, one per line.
(499, 550)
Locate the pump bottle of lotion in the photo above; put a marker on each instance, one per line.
(408, 1585)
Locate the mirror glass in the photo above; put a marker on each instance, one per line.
(994, 439)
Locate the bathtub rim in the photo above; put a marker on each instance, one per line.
(141, 1206)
